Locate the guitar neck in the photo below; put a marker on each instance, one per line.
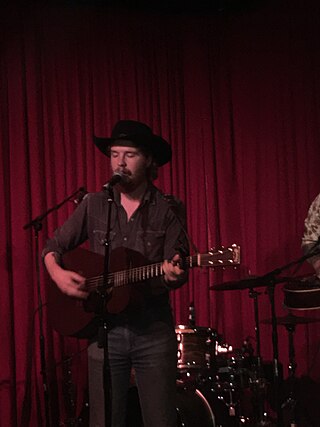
(139, 274)
(230, 256)
(132, 275)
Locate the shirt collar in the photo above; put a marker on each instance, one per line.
(149, 195)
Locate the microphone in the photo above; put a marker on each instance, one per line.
(82, 192)
(115, 179)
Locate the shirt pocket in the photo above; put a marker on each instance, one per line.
(99, 236)
(151, 243)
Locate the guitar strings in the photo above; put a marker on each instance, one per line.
(138, 274)
(121, 278)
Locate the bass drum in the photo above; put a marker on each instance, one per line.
(193, 409)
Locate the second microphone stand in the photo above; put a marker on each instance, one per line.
(36, 225)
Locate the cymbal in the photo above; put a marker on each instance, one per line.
(250, 283)
(291, 320)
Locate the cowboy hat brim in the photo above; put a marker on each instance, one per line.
(158, 147)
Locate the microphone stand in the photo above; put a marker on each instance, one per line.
(103, 328)
(36, 224)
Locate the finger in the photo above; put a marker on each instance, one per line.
(175, 260)
(82, 294)
(77, 278)
(75, 293)
(165, 266)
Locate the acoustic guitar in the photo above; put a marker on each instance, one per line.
(112, 294)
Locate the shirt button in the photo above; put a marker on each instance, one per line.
(125, 239)
(131, 219)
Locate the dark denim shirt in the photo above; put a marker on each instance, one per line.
(153, 231)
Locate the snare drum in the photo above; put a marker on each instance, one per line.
(196, 347)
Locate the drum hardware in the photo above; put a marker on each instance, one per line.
(249, 283)
(230, 404)
(233, 388)
(209, 366)
(223, 348)
(269, 281)
(192, 315)
(243, 388)
(258, 383)
(247, 377)
(226, 384)
(290, 403)
(291, 320)
(227, 400)
(272, 278)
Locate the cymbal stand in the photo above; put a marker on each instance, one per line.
(254, 295)
(259, 381)
(270, 281)
(276, 374)
(291, 401)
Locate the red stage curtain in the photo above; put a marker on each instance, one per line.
(237, 94)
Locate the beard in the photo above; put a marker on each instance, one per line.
(130, 182)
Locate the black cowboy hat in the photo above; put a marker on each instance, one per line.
(137, 134)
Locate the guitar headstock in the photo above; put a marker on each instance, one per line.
(221, 257)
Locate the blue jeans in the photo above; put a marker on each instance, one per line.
(152, 352)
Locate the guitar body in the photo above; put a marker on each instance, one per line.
(74, 317)
(69, 316)
(303, 295)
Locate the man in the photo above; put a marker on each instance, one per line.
(145, 223)
(312, 234)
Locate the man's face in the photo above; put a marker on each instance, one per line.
(131, 163)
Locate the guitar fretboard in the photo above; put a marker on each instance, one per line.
(142, 273)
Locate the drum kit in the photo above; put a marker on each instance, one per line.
(219, 386)
(209, 377)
